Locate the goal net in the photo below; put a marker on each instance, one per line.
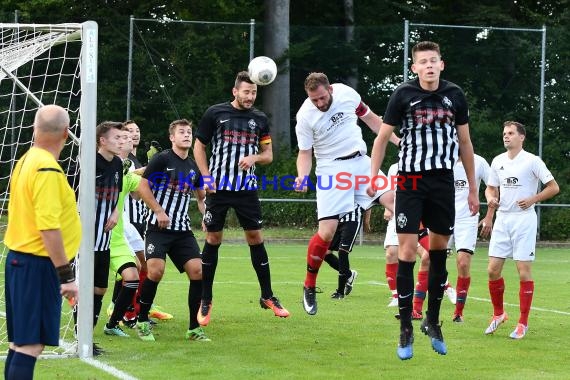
(51, 64)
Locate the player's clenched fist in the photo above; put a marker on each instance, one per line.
(300, 185)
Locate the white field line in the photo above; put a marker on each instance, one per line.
(109, 369)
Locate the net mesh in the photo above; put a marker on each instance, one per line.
(38, 65)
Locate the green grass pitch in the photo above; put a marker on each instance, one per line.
(354, 338)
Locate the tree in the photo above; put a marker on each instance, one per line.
(276, 46)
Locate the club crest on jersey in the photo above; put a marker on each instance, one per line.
(446, 102)
(402, 220)
(252, 124)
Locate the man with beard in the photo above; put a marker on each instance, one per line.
(238, 134)
(327, 126)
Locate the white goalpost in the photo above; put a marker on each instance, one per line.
(52, 64)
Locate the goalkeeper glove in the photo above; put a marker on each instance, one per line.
(127, 165)
(153, 149)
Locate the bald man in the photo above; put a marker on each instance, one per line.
(43, 235)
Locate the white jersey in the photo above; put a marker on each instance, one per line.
(517, 178)
(482, 170)
(334, 133)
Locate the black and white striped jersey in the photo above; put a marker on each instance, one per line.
(172, 179)
(427, 122)
(108, 185)
(135, 209)
(233, 134)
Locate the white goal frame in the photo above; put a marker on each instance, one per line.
(88, 33)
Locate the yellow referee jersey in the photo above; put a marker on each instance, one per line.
(41, 199)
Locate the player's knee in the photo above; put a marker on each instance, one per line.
(463, 264)
(493, 272)
(214, 238)
(253, 237)
(193, 269)
(155, 273)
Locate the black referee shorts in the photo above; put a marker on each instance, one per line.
(431, 200)
(245, 203)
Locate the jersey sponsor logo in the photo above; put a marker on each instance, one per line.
(511, 182)
(460, 184)
(414, 103)
(430, 116)
(240, 137)
(336, 120)
(402, 220)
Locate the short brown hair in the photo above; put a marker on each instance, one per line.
(104, 127)
(425, 46)
(176, 123)
(519, 126)
(242, 76)
(125, 123)
(314, 80)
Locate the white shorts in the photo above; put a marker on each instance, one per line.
(464, 234)
(337, 187)
(133, 238)
(514, 236)
(391, 238)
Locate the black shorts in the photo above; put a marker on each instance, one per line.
(101, 265)
(180, 246)
(245, 204)
(432, 201)
(345, 235)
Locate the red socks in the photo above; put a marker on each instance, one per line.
(423, 238)
(462, 289)
(315, 254)
(391, 272)
(496, 290)
(421, 290)
(135, 303)
(526, 292)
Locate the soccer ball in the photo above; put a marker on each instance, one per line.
(262, 70)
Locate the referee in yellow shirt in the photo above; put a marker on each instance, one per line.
(43, 235)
